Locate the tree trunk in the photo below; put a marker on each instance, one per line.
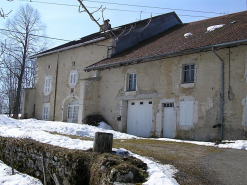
(18, 93)
(103, 142)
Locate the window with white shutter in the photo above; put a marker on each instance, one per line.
(47, 85)
(186, 113)
(73, 78)
(45, 114)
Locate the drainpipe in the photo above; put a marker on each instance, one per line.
(222, 92)
(55, 98)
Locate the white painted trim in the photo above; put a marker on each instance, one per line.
(64, 100)
(50, 88)
(48, 113)
(73, 72)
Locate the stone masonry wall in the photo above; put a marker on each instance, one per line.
(69, 167)
(61, 165)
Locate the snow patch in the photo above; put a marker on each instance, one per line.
(186, 35)
(158, 173)
(7, 178)
(105, 126)
(214, 27)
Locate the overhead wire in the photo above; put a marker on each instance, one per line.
(36, 35)
(155, 7)
(123, 10)
(49, 37)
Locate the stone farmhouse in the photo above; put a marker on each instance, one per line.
(157, 77)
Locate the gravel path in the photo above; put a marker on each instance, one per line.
(196, 164)
(227, 168)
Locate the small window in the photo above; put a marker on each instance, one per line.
(189, 73)
(131, 82)
(141, 103)
(133, 103)
(47, 85)
(150, 102)
(72, 90)
(73, 64)
(45, 115)
(49, 66)
(73, 77)
(168, 104)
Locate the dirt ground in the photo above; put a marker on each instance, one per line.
(196, 165)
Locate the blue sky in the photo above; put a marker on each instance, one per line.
(66, 22)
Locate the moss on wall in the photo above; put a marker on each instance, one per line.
(70, 166)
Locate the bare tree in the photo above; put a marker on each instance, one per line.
(22, 36)
(3, 14)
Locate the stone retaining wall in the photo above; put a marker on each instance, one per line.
(64, 166)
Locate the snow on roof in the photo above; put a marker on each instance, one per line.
(214, 27)
(186, 35)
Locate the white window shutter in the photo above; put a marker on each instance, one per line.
(186, 113)
(71, 78)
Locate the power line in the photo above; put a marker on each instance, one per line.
(36, 35)
(114, 9)
(49, 37)
(142, 6)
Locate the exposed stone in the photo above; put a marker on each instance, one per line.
(102, 168)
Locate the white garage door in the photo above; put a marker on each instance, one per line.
(139, 120)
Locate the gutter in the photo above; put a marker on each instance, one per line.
(222, 93)
(69, 47)
(172, 54)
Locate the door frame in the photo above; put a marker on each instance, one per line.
(70, 120)
(168, 105)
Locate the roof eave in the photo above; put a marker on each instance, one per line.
(166, 55)
(69, 47)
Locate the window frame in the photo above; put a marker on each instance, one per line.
(73, 78)
(73, 110)
(191, 79)
(131, 82)
(45, 112)
(47, 85)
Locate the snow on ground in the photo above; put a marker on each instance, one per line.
(35, 129)
(7, 178)
(235, 144)
(161, 174)
(71, 128)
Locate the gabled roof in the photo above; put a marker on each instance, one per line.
(95, 37)
(173, 42)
